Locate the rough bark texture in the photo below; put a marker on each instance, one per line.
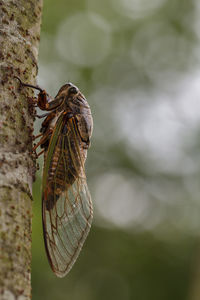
(19, 39)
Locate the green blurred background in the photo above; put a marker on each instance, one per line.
(138, 64)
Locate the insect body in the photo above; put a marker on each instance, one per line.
(66, 202)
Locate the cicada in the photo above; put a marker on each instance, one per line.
(66, 202)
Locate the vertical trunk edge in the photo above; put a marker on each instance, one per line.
(19, 39)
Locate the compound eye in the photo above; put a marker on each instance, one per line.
(73, 90)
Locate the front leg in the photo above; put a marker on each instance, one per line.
(43, 98)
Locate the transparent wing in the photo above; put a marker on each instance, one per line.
(67, 206)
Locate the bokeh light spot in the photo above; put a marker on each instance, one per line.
(122, 203)
(84, 39)
(137, 8)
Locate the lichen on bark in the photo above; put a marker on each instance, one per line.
(19, 40)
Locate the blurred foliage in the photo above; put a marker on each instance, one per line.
(137, 62)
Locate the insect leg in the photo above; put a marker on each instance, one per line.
(43, 139)
(37, 136)
(40, 153)
(28, 85)
(43, 97)
(48, 119)
(43, 115)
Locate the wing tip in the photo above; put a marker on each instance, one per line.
(63, 273)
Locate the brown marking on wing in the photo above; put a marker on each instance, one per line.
(64, 171)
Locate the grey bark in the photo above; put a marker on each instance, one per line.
(19, 40)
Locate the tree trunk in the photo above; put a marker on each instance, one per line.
(19, 39)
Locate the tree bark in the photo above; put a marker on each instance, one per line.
(19, 40)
